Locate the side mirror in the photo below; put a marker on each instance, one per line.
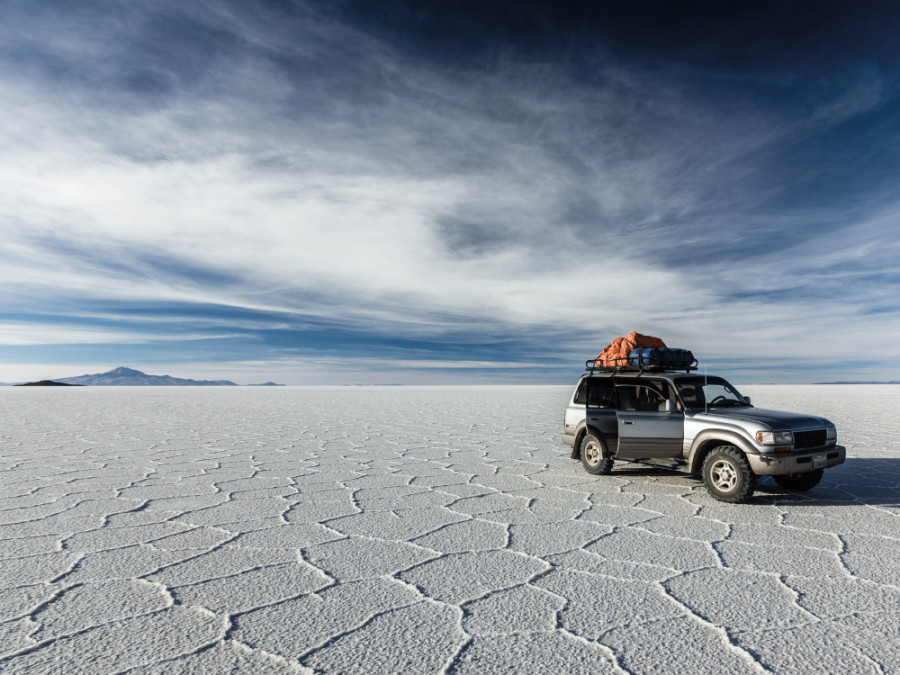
(747, 398)
(670, 405)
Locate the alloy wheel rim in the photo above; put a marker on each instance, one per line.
(724, 476)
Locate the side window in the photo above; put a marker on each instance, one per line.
(596, 394)
(667, 389)
(692, 395)
(581, 394)
(601, 395)
(639, 397)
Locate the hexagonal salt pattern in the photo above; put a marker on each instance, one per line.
(424, 530)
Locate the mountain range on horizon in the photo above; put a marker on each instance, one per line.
(125, 377)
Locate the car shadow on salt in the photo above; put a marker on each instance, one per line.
(873, 481)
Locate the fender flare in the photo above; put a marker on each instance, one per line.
(708, 439)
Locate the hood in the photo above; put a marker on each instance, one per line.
(776, 419)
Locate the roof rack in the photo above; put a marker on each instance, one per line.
(638, 363)
(592, 367)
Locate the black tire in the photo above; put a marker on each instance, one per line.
(594, 457)
(800, 482)
(727, 475)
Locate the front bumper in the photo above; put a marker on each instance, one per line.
(778, 465)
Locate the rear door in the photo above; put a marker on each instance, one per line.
(645, 429)
(600, 409)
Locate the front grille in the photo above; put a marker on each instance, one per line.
(809, 439)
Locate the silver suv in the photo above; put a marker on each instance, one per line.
(701, 424)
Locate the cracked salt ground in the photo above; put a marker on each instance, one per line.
(424, 530)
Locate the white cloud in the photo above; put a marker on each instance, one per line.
(367, 239)
(409, 199)
(25, 333)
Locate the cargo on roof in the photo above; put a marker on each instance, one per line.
(641, 352)
(616, 354)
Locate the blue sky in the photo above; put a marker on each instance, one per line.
(414, 192)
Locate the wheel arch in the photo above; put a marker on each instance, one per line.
(584, 431)
(579, 436)
(706, 441)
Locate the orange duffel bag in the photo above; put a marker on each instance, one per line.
(616, 354)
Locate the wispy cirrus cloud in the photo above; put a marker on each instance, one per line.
(52, 333)
(292, 168)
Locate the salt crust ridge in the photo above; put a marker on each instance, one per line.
(426, 530)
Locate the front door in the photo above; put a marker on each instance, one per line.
(645, 428)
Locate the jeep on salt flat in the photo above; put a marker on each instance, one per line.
(698, 423)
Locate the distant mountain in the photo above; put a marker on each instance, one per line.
(48, 383)
(266, 384)
(128, 377)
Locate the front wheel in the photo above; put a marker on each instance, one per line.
(800, 482)
(727, 475)
(593, 456)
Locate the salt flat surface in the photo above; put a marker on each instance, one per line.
(424, 530)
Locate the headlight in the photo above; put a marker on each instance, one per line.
(831, 433)
(775, 437)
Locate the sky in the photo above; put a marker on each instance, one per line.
(410, 192)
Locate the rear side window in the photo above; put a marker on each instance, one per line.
(596, 394)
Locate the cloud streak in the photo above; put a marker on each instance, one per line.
(299, 168)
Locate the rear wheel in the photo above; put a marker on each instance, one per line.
(800, 482)
(593, 456)
(727, 475)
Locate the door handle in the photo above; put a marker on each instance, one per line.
(628, 421)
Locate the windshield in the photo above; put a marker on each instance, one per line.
(700, 392)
